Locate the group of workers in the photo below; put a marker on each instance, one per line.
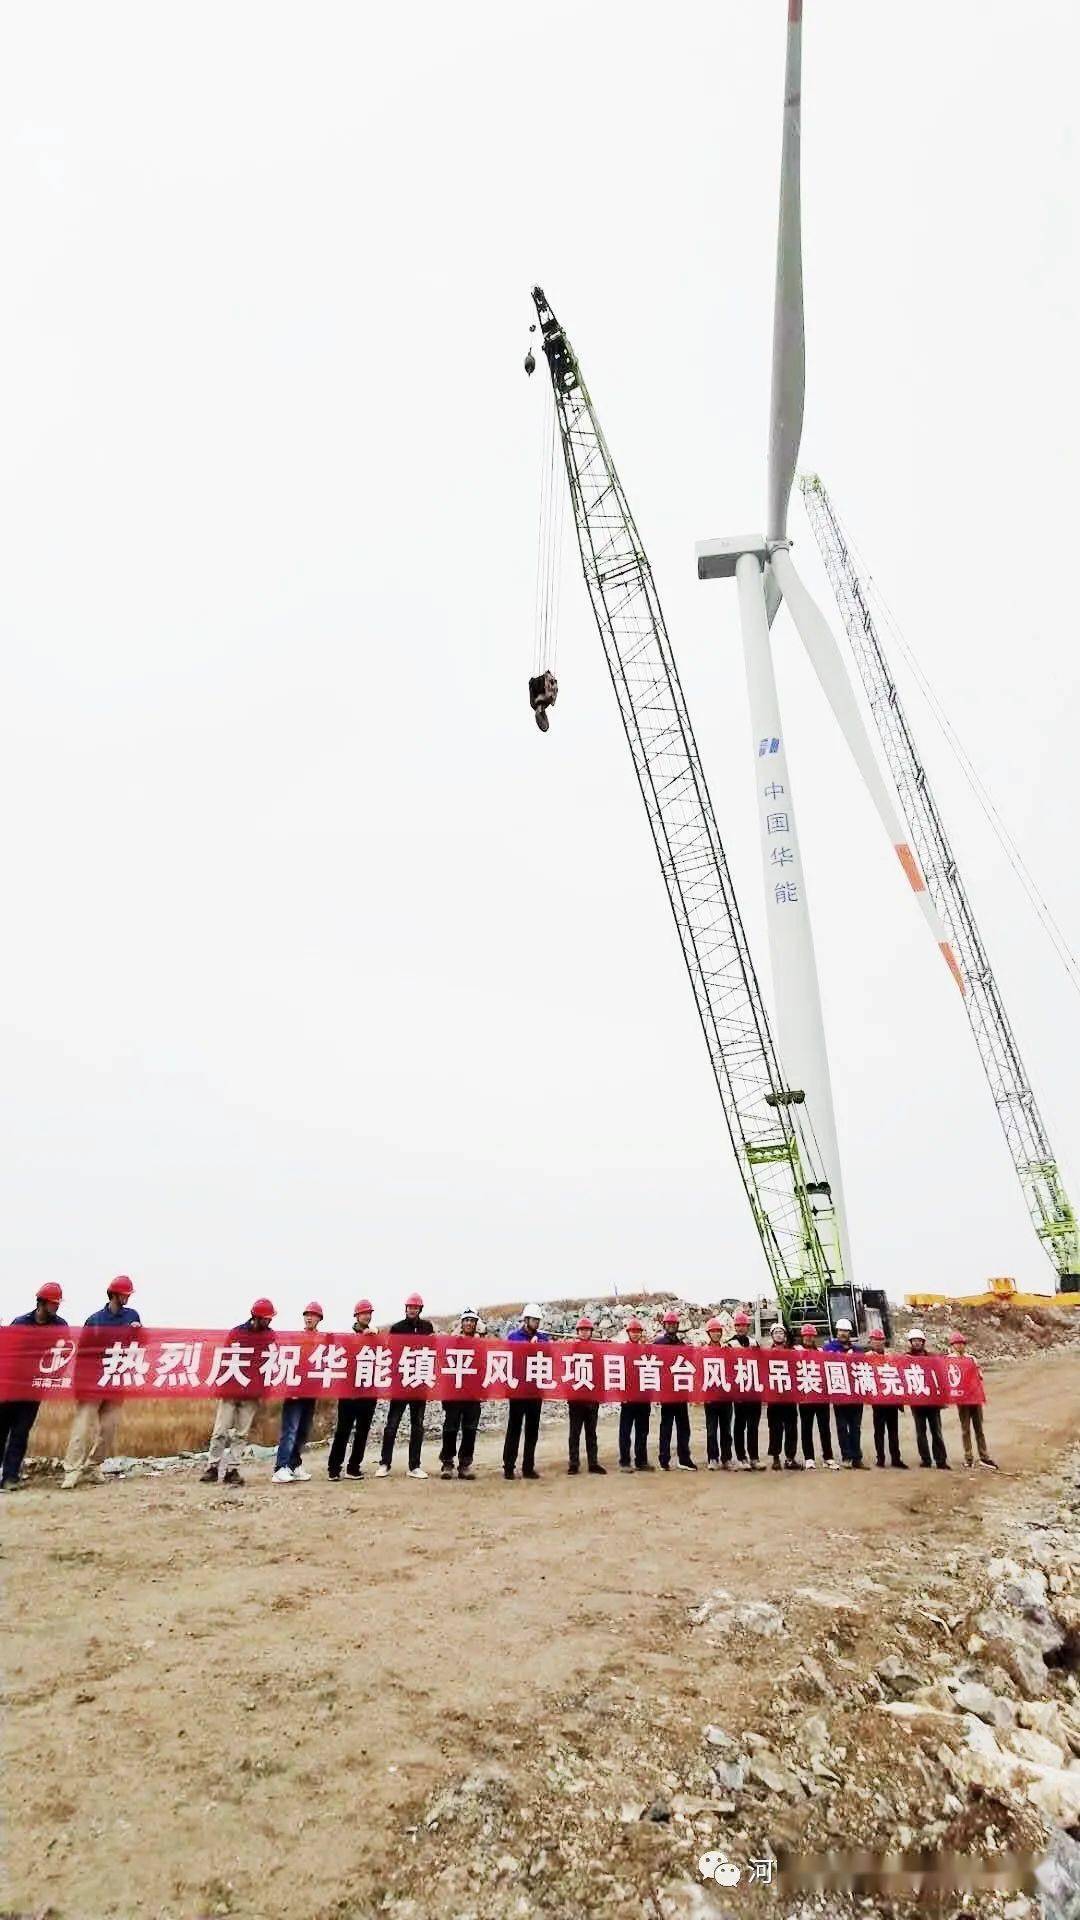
(732, 1429)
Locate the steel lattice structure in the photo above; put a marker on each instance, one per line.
(767, 1125)
(1017, 1109)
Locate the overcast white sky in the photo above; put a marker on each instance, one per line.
(322, 970)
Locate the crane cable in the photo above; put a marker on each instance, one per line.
(1039, 905)
(549, 541)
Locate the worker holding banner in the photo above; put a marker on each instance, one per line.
(524, 1415)
(18, 1416)
(232, 1422)
(672, 1413)
(634, 1417)
(583, 1417)
(94, 1427)
(418, 1329)
(461, 1418)
(354, 1417)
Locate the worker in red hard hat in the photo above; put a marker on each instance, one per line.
(929, 1437)
(674, 1415)
(782, 1416)
(635, 1415)
(461, 1418)
(354, 1416)
(296, 1420)
(93, 1430)
(717, 1412)
(747, 1413)
(232, 1421)
(414, 1327)
(971, 1417)
(584, 1417)
(17, 1416)
(812, 1413)
(886, 1418)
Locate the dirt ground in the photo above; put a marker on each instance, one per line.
(254, 1701)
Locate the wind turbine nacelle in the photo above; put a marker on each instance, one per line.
(716, 559)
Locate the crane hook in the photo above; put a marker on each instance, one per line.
(530, 361)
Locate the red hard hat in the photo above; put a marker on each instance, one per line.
(877, 1333)
(314, 1307)
(50, 1293)
(671, 1318)
(808, 1330)
(585, 1323)
(715, 1325)
(742, 1318)
(262, 1308)
(414, 1300)
(956, 1338)
(634, 1326)
(121, 1285)
(362, 1306)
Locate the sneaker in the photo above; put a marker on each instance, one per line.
(834, 1465)
(797, 1466)
(418, 1473)
(446, 1471)
(595, 1467)
(509, 1473)
(625, 1466)
(713, 1466)
(665, 1466)
(529, 1473)
(381, 1471)
(943, 1466)
(300, 1473)
(778, 1466)
(810, 1465)
(644, 1466)
(858, 1466)
(901, 1466)
(332, 1476)
(685, 1466)
(283, 1477)
(209, 1478)
(573, 1467)
(992, 1464)
(465, 1473)
(69, 1481)
(755, 1466)
(354, 1473)
(233, 1478)
(881, 1463)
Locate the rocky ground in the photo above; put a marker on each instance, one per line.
(482, 1702)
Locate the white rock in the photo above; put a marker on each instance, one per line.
(1034, 1746)
(1057, 1795)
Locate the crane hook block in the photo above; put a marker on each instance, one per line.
(543, 693)
(530, 361)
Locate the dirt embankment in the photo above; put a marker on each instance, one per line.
(434, 1701)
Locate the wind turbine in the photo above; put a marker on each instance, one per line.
(765, 574)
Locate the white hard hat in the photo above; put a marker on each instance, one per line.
(844, 1326)
(469, 1313)
(916, 1333)
(530, 1311)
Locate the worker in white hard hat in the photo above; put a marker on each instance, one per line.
(848, 1417)
(461, 1418)
(523, 1415)
(928, 1435)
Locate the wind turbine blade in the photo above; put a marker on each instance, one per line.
(789, 349)
(828, 664)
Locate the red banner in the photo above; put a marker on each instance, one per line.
(141, 1363)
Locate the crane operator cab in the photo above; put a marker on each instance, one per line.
(543, 693)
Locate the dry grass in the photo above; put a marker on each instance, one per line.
(153, 1429)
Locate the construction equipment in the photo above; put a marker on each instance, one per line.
(769, 1124)
(1048, 1204)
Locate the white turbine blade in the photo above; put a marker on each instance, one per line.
(828, 664)
(789, 359)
